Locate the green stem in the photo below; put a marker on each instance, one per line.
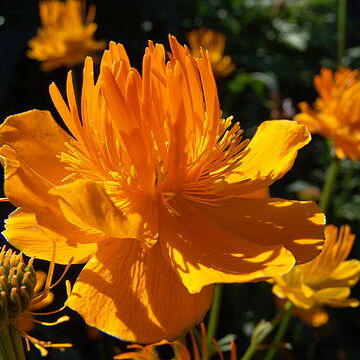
(341, 31)
(345, 186)
(257, 339)
(214, 314)
(17, 343)
(11, 347)
(251, 350)
(280, 331)
(297, 332)
(329, 185)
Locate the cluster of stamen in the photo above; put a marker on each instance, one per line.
(17, 296)
(17, 283)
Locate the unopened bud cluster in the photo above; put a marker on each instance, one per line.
(17, 283)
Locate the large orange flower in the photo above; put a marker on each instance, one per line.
(336, 113)
(324, 281)
(65, 38)
(155, 192)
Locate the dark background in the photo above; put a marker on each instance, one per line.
(278, 47)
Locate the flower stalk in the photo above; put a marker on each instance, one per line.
(341, 31)
(261, 331)
(214, 314)
(329, 185)
(280, 331)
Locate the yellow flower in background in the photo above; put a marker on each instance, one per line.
(65, 37)
(336, 113)
(22, 292)
(325, 281)
(214, 42)
(155, 192)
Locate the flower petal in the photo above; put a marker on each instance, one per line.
(31, 143)
(85, 204)
(337, 297)
(24, 232)
(23, 186)
(37, 140)
(145, 298)
(298, 225)
(271, 153)
(203, 250)
(315, 316)
(346, 274)
(28, 190)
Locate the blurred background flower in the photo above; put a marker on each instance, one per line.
(66, 36)
(213, 42)
(336, 113)
(325, 281)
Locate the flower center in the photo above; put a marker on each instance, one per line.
(197, 176)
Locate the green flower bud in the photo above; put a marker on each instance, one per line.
(17, 283)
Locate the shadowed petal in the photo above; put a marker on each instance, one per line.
(144, 296)
(85, 204)
(37, 141)
(24, 232)
(298, 225)
(204, 252)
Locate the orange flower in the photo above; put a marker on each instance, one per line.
(64, 39)
(214, 42)
(336, 113)
(155, 192)
(326, 280)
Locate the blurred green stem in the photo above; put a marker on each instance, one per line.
(341, 31)
(11, 346)
(329, 185)
(280, 331)
(346, 186)
(214, 314)
(257, 339)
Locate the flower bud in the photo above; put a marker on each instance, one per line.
(17, 283)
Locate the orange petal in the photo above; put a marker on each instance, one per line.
(294, 293)
(315, 316)
(346, 274)
(337, 297)
(85, 204)
(29, 190)
(298, 225)
(24, 187)
(204, 252)
(24, 232)
(37, 140)
(271, 153)
(132, 293)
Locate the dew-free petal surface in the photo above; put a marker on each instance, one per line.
(133, 294)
